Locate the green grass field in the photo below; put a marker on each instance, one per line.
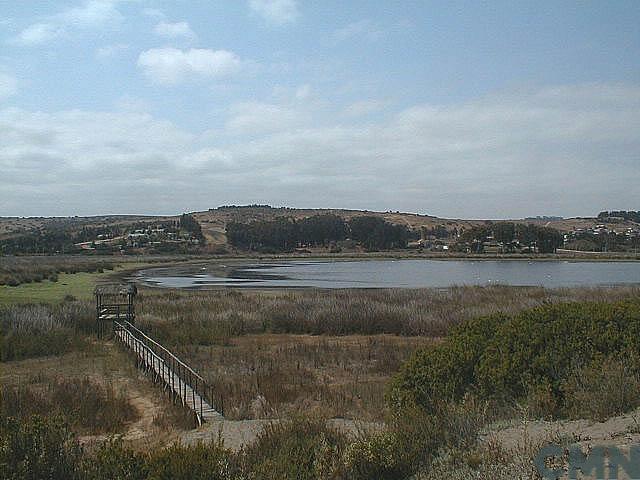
(79, 285)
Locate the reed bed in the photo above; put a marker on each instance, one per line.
(86, 405)
(268, 376)
(213, 317)
(37, 330)
(270, 354)
(17, 270)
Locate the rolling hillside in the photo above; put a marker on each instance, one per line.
(213, 221)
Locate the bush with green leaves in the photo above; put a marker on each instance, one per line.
(297, 449)
(209, 461)
(605, 388)
(38, 448)
(113, 460)
(506, 357)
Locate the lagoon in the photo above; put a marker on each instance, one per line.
(409, 273)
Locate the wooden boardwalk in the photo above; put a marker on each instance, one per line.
(184, 384)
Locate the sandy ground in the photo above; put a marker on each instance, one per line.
(622, 430)
(237, 433)
(526, 439)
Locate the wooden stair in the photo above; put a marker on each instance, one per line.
(182, 381)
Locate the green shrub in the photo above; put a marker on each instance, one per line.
(514, 358)
(412, 438)
(37, 448)
(297, 449)
(601, 390)
(113, 461)
(445, 372)
(378, 455)
(197, 462)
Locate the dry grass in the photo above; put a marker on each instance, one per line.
(111, 370)
(210, 317)
(272, 375)
(271, 354)
(87, 405)
(38, 330)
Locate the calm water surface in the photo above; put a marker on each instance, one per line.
(393, 274)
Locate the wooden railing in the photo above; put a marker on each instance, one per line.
(184, 382)
(116, 311)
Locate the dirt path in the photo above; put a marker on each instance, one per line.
(237, 433)
(623, 430)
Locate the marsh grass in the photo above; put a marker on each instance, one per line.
(18, 270)
(213, 317)
(86, 405)
(601, 390)
(264, 376)
(276, 353)
(39, 330)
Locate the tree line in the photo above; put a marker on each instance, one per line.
(189, 224)
(285, 234)
(511, 236)
(603, 242)
(63, 239)
(629, 215)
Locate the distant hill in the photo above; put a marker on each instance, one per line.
(214, 221)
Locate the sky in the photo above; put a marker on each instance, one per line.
(501, 109)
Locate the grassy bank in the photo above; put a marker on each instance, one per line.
(78, 285)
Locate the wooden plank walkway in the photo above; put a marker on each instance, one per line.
(181, 380)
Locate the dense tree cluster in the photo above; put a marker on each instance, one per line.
(629, 215)
(61, 237)
(374, 233)
(511, 236)
(439, 231)
(40, 241)
(285, 234)
(189, 224)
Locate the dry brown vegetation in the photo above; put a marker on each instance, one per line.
(276, 375)
(213, 317)
(98, 390)
(274, 353)
(86, 404)
(277, 355)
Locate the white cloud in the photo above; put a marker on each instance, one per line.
(38, 33)
(362, 29)
(303, 92)
(174, 30)
(365, 107)
(252, 118)
(8, 85)
(278, 12)
(571, 149)
(90, 14)
(109, 51)
(153, 12)
(171, 65)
